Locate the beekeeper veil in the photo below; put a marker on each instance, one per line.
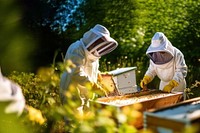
(98, 41)
(161, 50)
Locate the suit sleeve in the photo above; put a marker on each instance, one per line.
(151, 71)
(180, 67)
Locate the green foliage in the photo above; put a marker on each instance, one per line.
(16, 46)
(41, 92)
(10, 123)
(193, 90)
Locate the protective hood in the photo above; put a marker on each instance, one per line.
(98, 41)
(11, 92)
(161, 50)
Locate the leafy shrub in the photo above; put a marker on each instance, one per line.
(41, 91)
(193, 90)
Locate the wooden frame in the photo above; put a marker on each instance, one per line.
(153, 122)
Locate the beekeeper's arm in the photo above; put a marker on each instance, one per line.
(149, 75)
(181, 68)
(180, 72)
(81, 78)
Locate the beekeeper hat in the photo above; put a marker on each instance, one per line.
(160, 43)
(157, 40)
(98, 41)
(100, 30)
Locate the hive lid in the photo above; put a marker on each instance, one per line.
(183, 112)
(122, 70)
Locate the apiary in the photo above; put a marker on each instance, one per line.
(178, 118)
(151, 99)
(122, 81)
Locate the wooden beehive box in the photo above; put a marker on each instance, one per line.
(177, 118)
(122, 80)
(152, 99)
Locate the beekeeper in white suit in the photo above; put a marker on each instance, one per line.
(85, 54)
(11, 92)
(167, 62)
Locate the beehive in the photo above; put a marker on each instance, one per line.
(151, 99)
(122, 80)
(177, 118)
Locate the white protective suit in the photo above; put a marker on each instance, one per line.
(85, 54)
(11, 92)
(167, 62)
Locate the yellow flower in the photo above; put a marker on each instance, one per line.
(35, 115)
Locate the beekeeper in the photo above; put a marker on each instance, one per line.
(167, 62)
(11, 93)
(85, 54)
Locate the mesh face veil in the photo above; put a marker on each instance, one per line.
(160, 58)
(160, 51)
(98, 41)
(101, 46)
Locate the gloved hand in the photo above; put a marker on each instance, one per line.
(147, 79)
(99, 90)
(170, 86)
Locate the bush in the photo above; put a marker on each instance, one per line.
(41, 91)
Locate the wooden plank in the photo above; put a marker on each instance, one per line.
(161, 102)
(180, 103)
(162, 122)
(149, 99)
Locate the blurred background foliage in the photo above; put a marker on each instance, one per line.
(33, 32)
(36, 34)
(16, 45)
